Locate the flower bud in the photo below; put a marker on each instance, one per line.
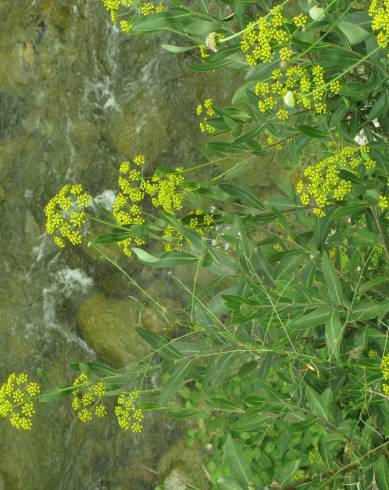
(317, 13)
(289, 99)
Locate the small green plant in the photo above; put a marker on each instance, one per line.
(283, 364)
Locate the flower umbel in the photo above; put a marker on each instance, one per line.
(385, 373)
(262, 38)
(65, 215)
(149, 8)
(165, 192)
(17, 398)
(298, 87)
(323, 182)
(379, 11)
(205, 111)
(128, 413)
(87, 398)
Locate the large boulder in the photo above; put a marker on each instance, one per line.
(108, 326)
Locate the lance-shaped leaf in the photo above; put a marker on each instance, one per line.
(237, 463)
(175, 381)
(381, 470)
(169, 259)
(333, 334)
(369, 310)
(313, 319)
(335, 292)
(162, 346)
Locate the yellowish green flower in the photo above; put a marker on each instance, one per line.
(149, 8)
(17, 399)
(167, 193)
(296, 86)
(125, 26)
(322, 182)
(87, 398)
(379, 11)
(262, 38)
(128, 414)
(300, 21)
(383, 203)
(385, 373)
(274, 142)
(285, 54)
(65, 215)
(112, 4)
(206, 111)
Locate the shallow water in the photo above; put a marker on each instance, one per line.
(76, 98)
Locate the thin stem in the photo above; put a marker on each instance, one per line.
(133, 282)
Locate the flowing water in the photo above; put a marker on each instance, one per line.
(76, 98)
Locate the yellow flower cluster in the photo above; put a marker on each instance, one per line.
(274, 142)
(166, 192)
(383, 203)
(205, 111)
(113, 6)
(262, 37)
(197, 221)
(379, 11)
(149, 8)
(87, 399)
(300, 21)
(297, 85)
(322, 181)
(128, 414)
(65, 215)
(125, 26)
(17, 396)
(385, 373)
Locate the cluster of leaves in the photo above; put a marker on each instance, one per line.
(279, 366)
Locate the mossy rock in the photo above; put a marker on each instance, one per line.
(108, 326)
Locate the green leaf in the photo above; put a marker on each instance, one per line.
(239, 8)
(94, 367)
(237, 464)
(177, 49)
(175, 381)
(248, 136)
(354, 33)
(162, 346)
(220, 368)
(381, 470)
(112, 237)
(366, 238)
(287, 471)
(379, 107)
(316, 317)
(169, 259)
(333, 335)
(56, 394)
(317, 404)
(182, 413)
(334, 287)
(366, 286)
(252, 422)
(174, 17)
(243, 193)
(368, 310)
(220, 59)
(228, 483)
(312, 132)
